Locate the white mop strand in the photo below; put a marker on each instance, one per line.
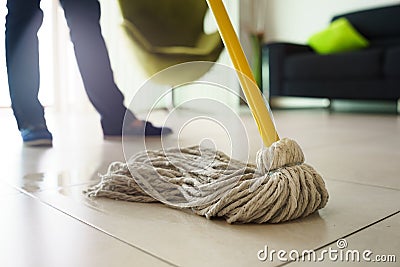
(280, 188)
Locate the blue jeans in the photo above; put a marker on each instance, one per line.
(23, 21)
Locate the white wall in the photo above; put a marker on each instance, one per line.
(295, 21)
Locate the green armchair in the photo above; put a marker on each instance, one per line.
(169, 32)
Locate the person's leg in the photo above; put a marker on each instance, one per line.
(83, 19)
(23, 21)
(94, 64)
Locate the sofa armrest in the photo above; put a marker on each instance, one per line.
(273, 57)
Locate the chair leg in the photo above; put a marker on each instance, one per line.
(170, 103)
(173, 98)
(330, 105)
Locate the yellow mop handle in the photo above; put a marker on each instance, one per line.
(251, 91)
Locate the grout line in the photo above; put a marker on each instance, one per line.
(345, 236)
(95, 227)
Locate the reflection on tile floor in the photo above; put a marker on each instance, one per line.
(47, 221)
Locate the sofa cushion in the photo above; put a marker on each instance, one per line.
(349, 65)
(340, 36)
(385, 42)
(376, 23)
(391, 68)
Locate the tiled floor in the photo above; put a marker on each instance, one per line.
(47, 221)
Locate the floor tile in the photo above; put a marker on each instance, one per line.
(34, 168)
(39, 169)
(319, 128)
(190, 240)
(381, 239)
(374, 164)
(35, 234)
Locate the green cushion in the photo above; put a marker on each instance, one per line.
(340, 36)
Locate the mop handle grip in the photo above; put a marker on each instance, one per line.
(249, 86)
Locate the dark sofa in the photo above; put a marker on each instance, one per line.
(370, 73)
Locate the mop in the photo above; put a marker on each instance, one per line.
(278, 188)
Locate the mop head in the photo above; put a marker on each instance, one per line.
(279, 188)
